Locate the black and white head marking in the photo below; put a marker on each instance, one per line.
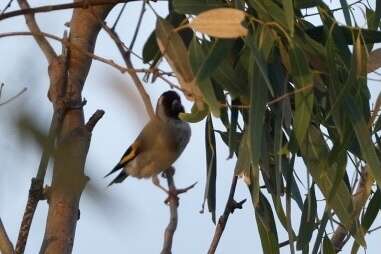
(169, 105)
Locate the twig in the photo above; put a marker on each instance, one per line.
(14, 97)
(173, 216)
(374, 229)
(67, 44)
(173, 203)
(230, 207)
(6, 246)
(333, 10)
(126, 57)
(7, 7)
(118, 17)
(137, 28)
(46, 48)
(36, 188)
(49, 8)
(35, 195)
(94, 119)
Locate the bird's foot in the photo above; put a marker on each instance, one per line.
(173, 194)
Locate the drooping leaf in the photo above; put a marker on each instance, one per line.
(197, 59)
(307, 222)
(216, 24)
(211, 170)
(151, 51)
(172, 47)
(347, 14)
(315, 153)
(266, 225)
(302, 76)
(328, 247)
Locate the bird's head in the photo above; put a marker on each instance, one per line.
(169, 105)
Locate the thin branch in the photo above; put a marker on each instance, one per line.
(46, 48)
(173, 203)
(137, 28)
(49, 8)
(231, 205)
(35, 195)
(173, 217)
(126, 57)
(118, 17)
(6, 246)
(13, 97)
(333, 10)
(87, 53)
(6, 7)
(94, 119)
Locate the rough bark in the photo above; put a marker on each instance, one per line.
(69, 178)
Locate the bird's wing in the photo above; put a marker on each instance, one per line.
(130, 154)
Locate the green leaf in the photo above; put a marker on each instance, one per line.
(347, 14)
(266, 225)
(233, 140)
(328, 247)
(196, 6)
(218, 52)
(197, 59)
(307, 222)
(258, 99)
(151, 51)
(321, 230)
(302, 76)
(363, 135)
(211, 170)
(315, 154)
(289, 14)
(370, 36)
(243, 162)
(303, 4)
(195, 115)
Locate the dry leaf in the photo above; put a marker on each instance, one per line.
(374, 60)
(172, 47)
(220, 23)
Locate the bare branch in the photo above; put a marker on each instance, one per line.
(13, 97)
(87, 53)
(126, 57)
(6, 246)
(49, 8)
(46, 48)
(173, 202)
(35, 195)
(6, 7)
(231, 205)
(94, 119)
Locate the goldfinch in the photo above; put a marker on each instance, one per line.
(158, 145)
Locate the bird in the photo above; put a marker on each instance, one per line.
(159, 144)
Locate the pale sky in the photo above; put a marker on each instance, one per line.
(129, 217)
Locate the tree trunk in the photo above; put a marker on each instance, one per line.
(73, 142)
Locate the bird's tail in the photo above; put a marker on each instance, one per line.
(120, 178)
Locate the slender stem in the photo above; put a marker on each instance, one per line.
(173, 203)
(13, 97)
(231, 205)
(49, 8)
